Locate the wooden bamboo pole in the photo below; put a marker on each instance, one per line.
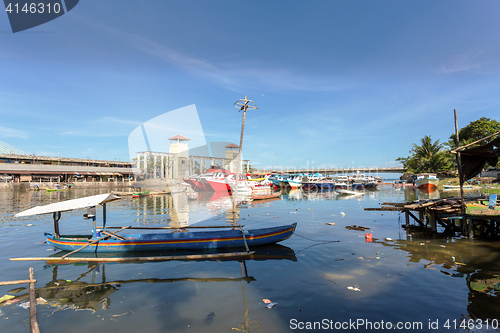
(7, 283)
(187, 227)
(33, 318)
(90, 243)
(238, 162)
(459, 162)
(126, 259)
(112, 234)
(454, 151)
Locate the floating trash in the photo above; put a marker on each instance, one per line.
(330, 223)
(24, 305)
(271, 305)
(267, 301)
(368, 237)
(354, 288)
(6, 298)
(210, 318)
(342, 214)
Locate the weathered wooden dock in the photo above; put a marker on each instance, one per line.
(449, 214)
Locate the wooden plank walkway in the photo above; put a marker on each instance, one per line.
(447, 213)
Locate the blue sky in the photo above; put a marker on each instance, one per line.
(337, 83)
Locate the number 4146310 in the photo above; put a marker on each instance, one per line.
(471, 324)
(34, 8)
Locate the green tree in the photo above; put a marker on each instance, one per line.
(474, 131)
(427, 157)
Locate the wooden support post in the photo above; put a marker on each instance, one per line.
(470, 228)
(433, 220)
(459, 164)
(56, 216)
(33, 318)
(421, 217)
(103, 216)
(407, 218)
(416, 219)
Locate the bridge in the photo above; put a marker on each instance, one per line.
(331, 171)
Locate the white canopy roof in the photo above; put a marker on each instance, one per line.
(62, 206)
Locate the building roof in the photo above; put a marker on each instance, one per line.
(232, 145)
(180, 137)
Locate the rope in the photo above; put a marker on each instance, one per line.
(317, 241)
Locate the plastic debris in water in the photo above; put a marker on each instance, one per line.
(342, 214)
(41, 300)
(388, 239)
(25, 305)
(209, 318)
(271, 305)
(353, 288)
(6, 298)
(267, 301)
(368, 237)
(330, 223)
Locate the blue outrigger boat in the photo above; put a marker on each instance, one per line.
(103, 240)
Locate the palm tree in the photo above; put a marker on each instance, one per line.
(429, 156)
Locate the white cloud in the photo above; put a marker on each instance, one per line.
(233, 76)
(464, 62)
(12, 133)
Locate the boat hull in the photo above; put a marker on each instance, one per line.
(177, 240)
(266, 196)
(427, 184)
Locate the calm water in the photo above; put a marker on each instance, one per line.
(313, 276)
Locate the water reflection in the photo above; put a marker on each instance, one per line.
(476, 262)
(412, 194)
(136, 291)
(460, 276)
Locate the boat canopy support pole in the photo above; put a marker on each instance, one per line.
(56, 216)
(103, 216)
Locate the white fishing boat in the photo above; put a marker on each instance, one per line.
(349, 192)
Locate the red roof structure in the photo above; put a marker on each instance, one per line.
(232, 145)
(179, 137)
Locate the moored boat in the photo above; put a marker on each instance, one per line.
(427, 181)
(140, 194)
(103, 240)
(266, 196)
(295, 181)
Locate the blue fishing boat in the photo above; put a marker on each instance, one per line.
(104, 240)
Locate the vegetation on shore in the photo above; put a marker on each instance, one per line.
(434, 156)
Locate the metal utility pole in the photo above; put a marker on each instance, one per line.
(241, 104)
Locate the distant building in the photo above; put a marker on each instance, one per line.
(232, 152)
(179, 150)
